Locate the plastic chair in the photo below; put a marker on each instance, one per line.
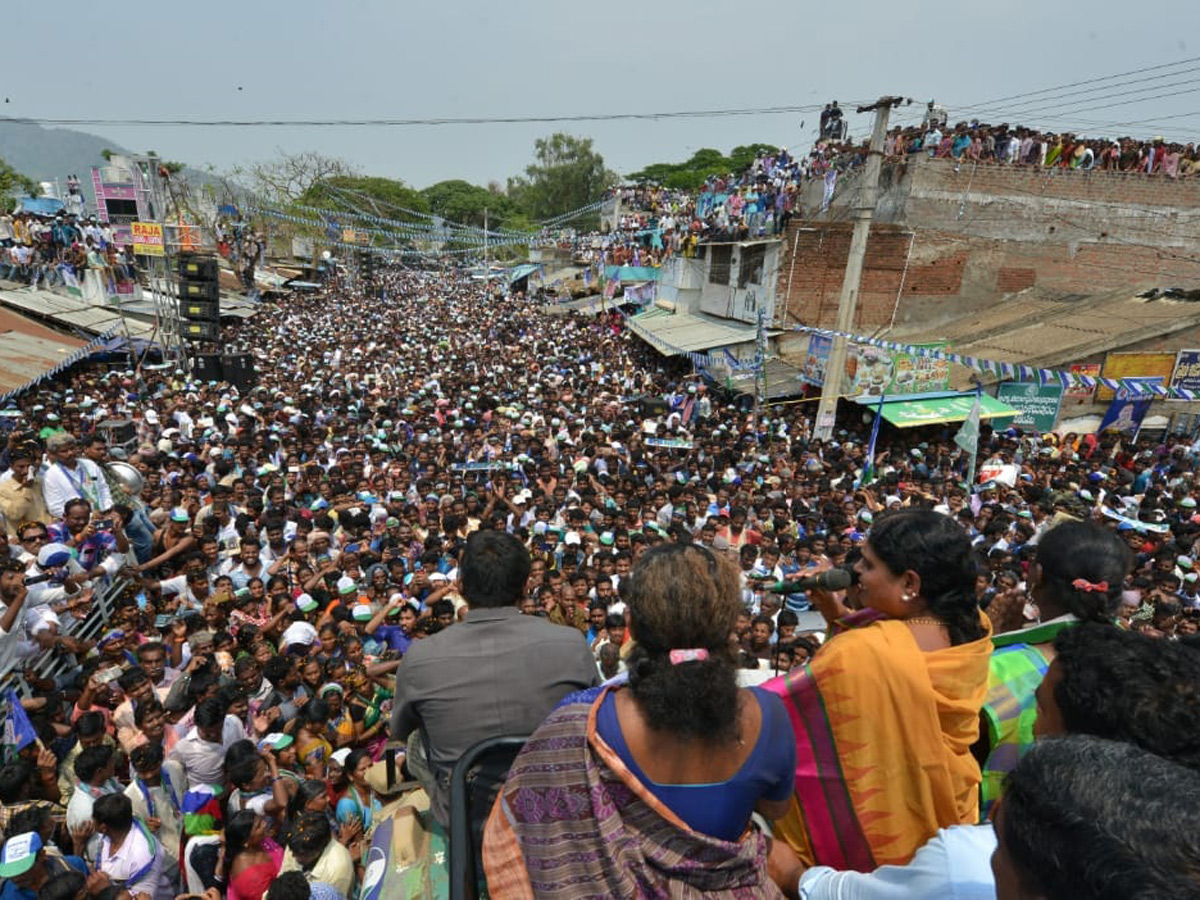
(477, 778)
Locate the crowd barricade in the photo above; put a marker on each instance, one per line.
(52, 665)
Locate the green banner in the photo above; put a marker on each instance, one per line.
(874, 371)
(1038, 404)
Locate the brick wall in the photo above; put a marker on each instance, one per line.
(947, 242)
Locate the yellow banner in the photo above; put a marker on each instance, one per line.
(147, 238)
(1135, 365)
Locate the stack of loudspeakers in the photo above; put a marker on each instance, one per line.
(199, 297)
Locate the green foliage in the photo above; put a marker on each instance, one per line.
(13, 182)
(462, 202)
(705, 162)
(387, 198)
(567, 173)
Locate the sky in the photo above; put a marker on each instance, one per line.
(269, 59)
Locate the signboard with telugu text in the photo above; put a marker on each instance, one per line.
(1187, 370)
(147, 238)
(1038, 403)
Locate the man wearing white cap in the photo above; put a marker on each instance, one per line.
(25, 866)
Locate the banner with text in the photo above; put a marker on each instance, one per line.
(1187, 370)
(1038, 403)
(147, 238)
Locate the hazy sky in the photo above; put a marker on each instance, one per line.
(374, 58)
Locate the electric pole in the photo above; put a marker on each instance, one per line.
(863, 212)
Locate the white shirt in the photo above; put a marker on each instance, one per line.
(204, 763)
(133, 856)
(955, 864)
(171, 830)
(85, 481)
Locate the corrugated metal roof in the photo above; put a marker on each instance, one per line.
(1041, 328)
(783, 380)
(692, 332)
(74, 312)
(25, 357)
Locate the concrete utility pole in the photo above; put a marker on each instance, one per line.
(836, 367)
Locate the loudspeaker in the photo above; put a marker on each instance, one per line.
(653, 406)
(197, 268)
(207, 367)
(200, 331)
(199, 290)
(198, 310)
(238, 370)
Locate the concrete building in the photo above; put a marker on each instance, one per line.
(1035, 266)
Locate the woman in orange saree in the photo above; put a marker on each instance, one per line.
(886, 712)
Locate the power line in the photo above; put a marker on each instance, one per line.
(1060, 87)
(389, 123)
(1058, 109)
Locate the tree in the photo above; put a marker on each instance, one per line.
(285, 180)
(705, 162)
(387, 198)
(567, 173)
(462, 202)
(13, 182)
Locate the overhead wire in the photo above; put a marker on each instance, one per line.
(404, 122)
(1026, 94)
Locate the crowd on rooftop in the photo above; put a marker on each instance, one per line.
(444, 514)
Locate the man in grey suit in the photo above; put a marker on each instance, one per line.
(496, 673)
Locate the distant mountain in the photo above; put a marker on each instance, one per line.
(46, 154)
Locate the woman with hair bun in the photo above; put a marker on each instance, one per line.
(884, 715)
(1077, 576)
(647, 787)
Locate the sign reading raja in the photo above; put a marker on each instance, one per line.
(147, 238)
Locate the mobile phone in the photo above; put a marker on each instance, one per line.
(108, 675)
(37, 579)
(104, 525)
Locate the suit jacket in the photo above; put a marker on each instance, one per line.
(496, 673)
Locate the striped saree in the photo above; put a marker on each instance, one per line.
(572, 822)
(883, 734)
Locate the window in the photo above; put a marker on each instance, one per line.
(121, 212)
(718, 269)
(750, 268)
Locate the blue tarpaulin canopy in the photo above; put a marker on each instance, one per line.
(632, 273)
(516, 273)
(41, 206)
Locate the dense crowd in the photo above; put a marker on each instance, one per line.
(444, 515)
(1019, 146)
(59, 249)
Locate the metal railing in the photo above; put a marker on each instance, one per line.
(52, 665)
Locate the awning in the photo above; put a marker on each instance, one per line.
(783, 380)
(940, 409)
(516, 273)
(674, 333)
(626, 274)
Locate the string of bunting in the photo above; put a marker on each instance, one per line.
(79, 355)
(435, 226)
(1005, 371)
(472, 246)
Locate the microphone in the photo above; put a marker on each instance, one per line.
(829, 580)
